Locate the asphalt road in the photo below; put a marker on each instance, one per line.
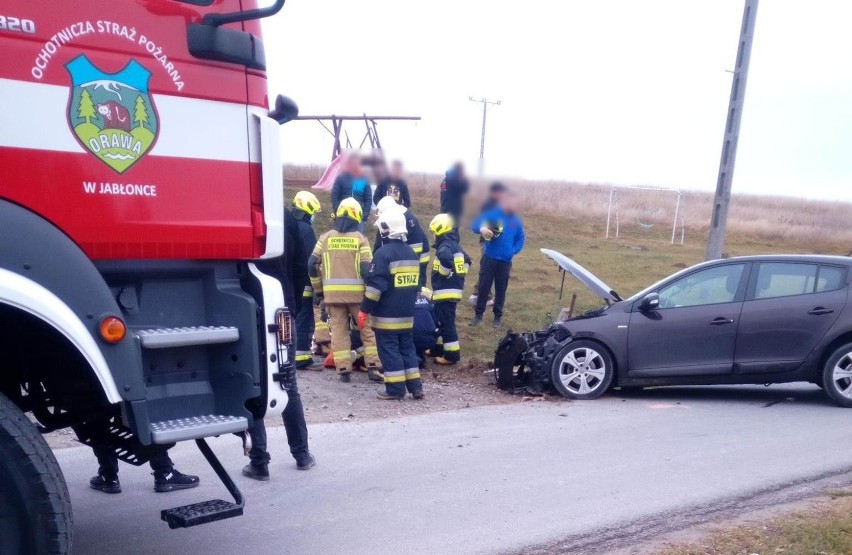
(491, 479)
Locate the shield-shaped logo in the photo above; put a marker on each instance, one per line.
(112, 115)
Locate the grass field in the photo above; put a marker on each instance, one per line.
(570, 218)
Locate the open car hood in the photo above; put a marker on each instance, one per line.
(588, 279)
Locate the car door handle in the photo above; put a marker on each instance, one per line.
(721, 321)
(820, 310)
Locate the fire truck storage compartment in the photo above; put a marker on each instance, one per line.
(196, 331)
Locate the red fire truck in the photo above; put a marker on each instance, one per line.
(140, 183)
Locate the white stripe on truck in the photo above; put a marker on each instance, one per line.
(189, 127)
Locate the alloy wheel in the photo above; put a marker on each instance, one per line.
(842, 375)
(582, 370)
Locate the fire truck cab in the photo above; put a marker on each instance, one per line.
(141, 189)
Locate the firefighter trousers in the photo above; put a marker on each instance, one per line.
(445, 313)
(341, 347)
(304, 333)
(321, 335)
(399, 362)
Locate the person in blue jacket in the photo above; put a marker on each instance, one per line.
(351, 182)
(503, 231)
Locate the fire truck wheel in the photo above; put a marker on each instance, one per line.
(35, 509)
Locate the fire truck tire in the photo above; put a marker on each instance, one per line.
(35, 509)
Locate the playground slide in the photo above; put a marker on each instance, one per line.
(330, 174)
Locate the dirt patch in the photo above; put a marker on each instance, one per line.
(326, 399)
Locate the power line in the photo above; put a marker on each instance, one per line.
(719, 218)
(485, 104)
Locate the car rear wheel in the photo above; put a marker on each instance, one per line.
(35, 510)
(582, 370)
(837, 376)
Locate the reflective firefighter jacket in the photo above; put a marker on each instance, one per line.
(449, 269)
(416, 239)
(392, 287)
(339, 259)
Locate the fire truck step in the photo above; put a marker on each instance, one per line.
(200, 513)
(207, 511)
(165, 338)
(195, 427)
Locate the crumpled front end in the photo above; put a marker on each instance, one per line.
(522, 361)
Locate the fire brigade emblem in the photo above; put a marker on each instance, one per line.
(112, 115)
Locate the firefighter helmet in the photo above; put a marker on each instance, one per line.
(391, 223)
(441, 224)
(307, 202)
(349, 208)
(386, 203)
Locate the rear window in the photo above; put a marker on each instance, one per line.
(830, 278)
(787, 279)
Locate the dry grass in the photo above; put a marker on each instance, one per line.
(824, 529)
(776, 219)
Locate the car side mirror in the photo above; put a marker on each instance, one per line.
(285, 110)
(649, 302)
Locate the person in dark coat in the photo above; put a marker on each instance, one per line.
(305, 206)
(291, 270)
(453, 189)
(352, 182)
(393, 185)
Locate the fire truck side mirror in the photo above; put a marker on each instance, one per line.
(285, 109)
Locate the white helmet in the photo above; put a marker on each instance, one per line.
(388, 203)
(391, 223)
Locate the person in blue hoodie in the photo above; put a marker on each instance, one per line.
(503, 231)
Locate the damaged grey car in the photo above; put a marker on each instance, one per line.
(747, 320)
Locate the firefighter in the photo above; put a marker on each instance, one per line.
(449, 269)
(339, 260)
(416, 238)
(391, 291)
(305, 207)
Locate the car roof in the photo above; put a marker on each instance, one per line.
(812, 258)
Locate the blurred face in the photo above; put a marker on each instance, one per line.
(510, 202)
(353, 164)
(397, 170)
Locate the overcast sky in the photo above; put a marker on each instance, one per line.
(616, 91)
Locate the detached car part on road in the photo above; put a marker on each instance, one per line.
(747, 320)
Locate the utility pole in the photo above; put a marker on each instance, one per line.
(719, 218)
(485, 104)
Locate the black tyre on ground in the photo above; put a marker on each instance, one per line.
(837, 376)
(35, 509)
(583, 369)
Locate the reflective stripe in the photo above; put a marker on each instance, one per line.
(402, 263)
(326, 265)
(413, 269)
(371, 350)
(451, 346)
(387, 323)
(424, 258)
(372, 293)
(412, 375)
(343, 281)
(447, 295)
(394, 376)
(443, 271)
(440, 341)
(332, 288)
(416, 247)
(303, 355)
(342, 355)
(320, 325)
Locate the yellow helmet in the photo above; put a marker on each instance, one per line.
(350, 208)
(307, 202)
(442, 223)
